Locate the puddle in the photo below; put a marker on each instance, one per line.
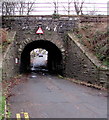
(33, 76)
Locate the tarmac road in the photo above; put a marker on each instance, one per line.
(46, 96)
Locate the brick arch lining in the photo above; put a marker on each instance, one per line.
(55, 57)
(27, 41)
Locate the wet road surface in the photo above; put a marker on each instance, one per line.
(47, 96)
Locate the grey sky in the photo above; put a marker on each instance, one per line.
(48, 8)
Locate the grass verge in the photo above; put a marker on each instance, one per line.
(2, 107)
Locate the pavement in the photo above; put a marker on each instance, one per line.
(47, 96)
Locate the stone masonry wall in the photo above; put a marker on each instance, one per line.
(61, 25)
(78, 63)
(81, 67)
(8, 65)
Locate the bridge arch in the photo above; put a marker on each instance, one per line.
(55, 56)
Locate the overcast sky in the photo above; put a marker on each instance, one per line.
(67, 0)
(97, 1)
(100, 7)
(46, 7)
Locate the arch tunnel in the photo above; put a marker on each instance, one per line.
(54, 64)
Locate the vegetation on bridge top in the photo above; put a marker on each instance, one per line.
(95, 37)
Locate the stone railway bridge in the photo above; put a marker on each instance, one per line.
(65, 55)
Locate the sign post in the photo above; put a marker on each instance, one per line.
(16, 60)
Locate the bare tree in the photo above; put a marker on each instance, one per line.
(13, 8)
(8, 8)
(93, 11)
(20, 7)
(78, 7)
(55, 7)
(25, 8)
(68, 9)
(29, 7)
(69, 2)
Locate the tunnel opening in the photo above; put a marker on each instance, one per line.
(54, 57)
(39, 60)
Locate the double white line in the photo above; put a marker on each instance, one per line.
(26, 116)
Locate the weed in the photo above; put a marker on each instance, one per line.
(108, 30)
(76, 30)
(60, 76)
(55, 16)
(79, 36)
(106, 63)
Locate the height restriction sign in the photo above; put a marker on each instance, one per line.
(39, 31)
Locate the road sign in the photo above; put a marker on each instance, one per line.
(39, 31)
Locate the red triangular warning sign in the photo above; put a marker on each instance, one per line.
(39, 31)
